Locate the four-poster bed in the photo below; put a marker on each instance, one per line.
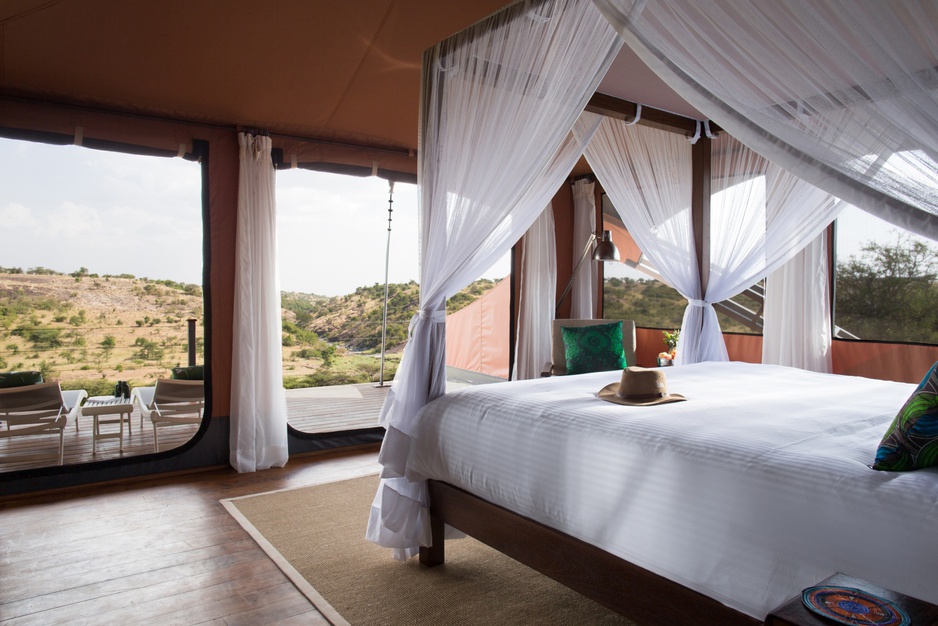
(713, 216)
(736, 518)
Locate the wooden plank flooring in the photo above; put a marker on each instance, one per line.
(331, 409)
(159, 550)
(316, 410)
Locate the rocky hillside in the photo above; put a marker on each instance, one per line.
(354, 320)
(94, 330)
(85, 327)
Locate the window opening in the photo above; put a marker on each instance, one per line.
(333, 243)
(100, 275)
(885, 281)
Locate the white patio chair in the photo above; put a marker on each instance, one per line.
(73, 399)
(34, 410)
(170, 402)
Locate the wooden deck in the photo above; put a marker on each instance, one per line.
(331, 409)
(316, 410)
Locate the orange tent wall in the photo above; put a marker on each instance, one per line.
(887, 361)
(477, 335)
(891, 361)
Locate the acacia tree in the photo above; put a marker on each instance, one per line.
(108, 344)
(889, 292)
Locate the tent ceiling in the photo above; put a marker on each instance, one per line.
(340, 71)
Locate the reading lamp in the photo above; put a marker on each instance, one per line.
(605, 251)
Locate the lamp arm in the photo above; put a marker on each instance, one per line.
(586, 249)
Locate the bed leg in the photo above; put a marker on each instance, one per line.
(434, 555)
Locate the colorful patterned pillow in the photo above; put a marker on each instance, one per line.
(19, 379)
(912, 439)
(596, 348)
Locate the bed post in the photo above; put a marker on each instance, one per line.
(434, 555)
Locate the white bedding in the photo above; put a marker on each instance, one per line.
(755, 488)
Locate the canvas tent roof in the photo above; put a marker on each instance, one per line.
(344, 72)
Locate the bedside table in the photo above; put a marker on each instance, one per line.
(795, 613)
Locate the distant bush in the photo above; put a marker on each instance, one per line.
(307, 353)
(40, 337)
(94, 386)
(325, 378)
(43, 271)
(301, 336)
(45, 368)
(149, 350)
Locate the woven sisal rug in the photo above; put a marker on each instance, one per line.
(316, 535)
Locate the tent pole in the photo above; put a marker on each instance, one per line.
(387, 262)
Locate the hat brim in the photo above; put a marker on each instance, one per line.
(610, 393)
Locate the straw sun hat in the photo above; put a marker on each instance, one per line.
(640, 386)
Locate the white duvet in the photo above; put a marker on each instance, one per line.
(753, 489)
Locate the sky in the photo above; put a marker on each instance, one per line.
(66, 207)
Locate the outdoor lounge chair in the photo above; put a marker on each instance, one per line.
(170, 402)
(34, 410)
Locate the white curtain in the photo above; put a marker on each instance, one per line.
(498, 102)
(583, 291)
(760, 217)
(258, 437)
(538, 298)
(647, 174)
(841, 93)
(797, 330)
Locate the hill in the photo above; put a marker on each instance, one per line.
(95, 329)
(653, 304)
(90, 331)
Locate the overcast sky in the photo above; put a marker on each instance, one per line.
(65, 207)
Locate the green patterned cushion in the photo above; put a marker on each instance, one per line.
(193, 372)
(912, 439)
(19, 379)
(596, 348)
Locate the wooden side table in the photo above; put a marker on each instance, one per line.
(795, 613)
(101, 406)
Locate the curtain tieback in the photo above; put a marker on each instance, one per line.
(700, 303)
(434, 317)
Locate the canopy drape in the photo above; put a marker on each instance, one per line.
(498, 102)
(855, 117)
(537, 299)
(797, 329)
(840, 93)
(583, 291)
(647, 174)
(258, 438)
(760, 216)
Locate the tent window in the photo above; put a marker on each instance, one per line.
(332, 234)
(100, 273)
(885, 281)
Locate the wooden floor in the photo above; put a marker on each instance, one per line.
(155, 551)
(316, 410)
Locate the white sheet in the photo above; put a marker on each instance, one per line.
(755, 488)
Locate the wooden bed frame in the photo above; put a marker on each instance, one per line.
(627, 589)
